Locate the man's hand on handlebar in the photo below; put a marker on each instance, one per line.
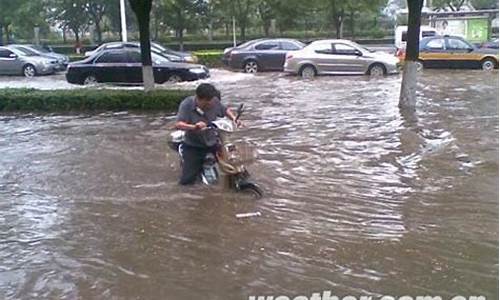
(239, 124)
(200, 125)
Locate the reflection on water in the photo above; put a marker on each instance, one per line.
(360, 197)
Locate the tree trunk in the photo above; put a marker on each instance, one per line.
(242, 31)
(180, 37)
(77, 36)
(267, 26)
(1, 34)
(210, 30)
(142, 10)
(408, 95)
(341, 27)
(64, 35)
(7, 33)
(99, 32)
(157, 24)
(351, 18)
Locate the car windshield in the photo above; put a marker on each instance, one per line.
(26, 51)
(159, 47)
(302, 45)
(158, 59)
(246, 44)
(367, 49)
(39, 49)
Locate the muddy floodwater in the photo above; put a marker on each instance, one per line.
(360, 198)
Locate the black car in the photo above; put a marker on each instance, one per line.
(124, 66)
(260, 55)
(175, 56)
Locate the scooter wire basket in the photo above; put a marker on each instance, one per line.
(239, 154)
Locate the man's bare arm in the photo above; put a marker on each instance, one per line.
(186, 126)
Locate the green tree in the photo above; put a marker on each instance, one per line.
(8, 11)
(484, 4)
(142, 10)
(241, 10)
(181, 15)
(455, 5)
(354, 10)
(97, 10)
(212, 15)
(69, 14)
(289, 13)
(267, 12)
(114, 19)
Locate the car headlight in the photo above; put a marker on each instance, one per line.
(189, 59)
(197, 71)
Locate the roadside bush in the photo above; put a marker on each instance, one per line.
(89, 100)
(210, 58)
(75, 57)
(376, 33)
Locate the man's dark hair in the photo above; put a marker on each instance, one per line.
(206, 91)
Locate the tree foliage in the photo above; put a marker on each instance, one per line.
(183, 18)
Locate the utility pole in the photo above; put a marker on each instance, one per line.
(234, 32)
(124, 20)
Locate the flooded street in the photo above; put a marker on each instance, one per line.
(360, 199)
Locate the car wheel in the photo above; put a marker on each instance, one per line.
(174, 78)
(29, 71)
(377, 70)
(420, 65)
(488, 64)
(251, 67)
(308, 72)
(89, 80)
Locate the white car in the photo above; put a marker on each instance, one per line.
(339, 57)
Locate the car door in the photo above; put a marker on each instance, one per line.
(134, 67)
(434, 54)
(346, 59)
(111, 66)
(269, 55)
(462, 54)
(322, 57)
(8, 62)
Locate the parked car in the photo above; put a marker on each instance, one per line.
(174, 56)
(124, 66)
(62, 60)
(454, 52)
(19, 62)
(339, 57)
(260, 55)
(400, 35)
(493, 44)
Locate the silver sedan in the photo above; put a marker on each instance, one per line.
(17, 62)
(339, 57)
